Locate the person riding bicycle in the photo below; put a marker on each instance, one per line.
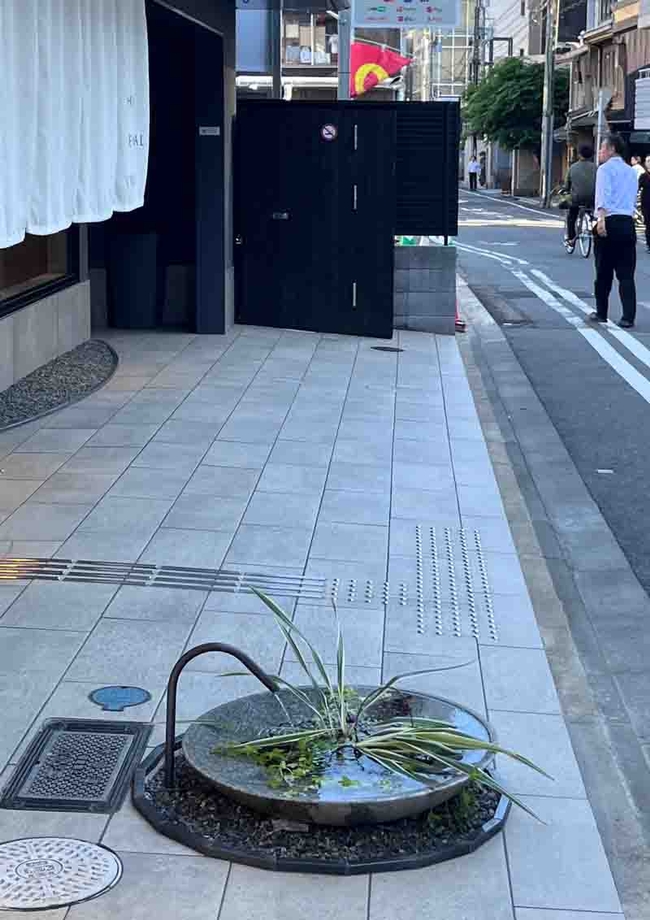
(581, 184)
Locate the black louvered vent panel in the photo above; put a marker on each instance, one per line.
(428, 135)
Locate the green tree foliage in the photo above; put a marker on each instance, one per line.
(506, 106)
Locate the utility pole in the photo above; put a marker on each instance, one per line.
(275, 38)
(477, 45)
(475, 72)
(547, 106)
(345, 42)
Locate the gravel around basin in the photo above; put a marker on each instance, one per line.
(58, 383)
(199, 808)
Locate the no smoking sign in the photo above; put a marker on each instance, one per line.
(329, 132)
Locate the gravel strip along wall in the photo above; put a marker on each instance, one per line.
(60, 382)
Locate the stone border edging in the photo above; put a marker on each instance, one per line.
(198, 842)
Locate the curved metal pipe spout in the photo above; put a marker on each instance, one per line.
(172, 688)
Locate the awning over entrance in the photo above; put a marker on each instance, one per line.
(74, 111)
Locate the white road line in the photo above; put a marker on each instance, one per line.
(549, 299)
(569, 296)
(614, 358)
(616, 361)
(515, 204)
(626, 339)
(507, 260)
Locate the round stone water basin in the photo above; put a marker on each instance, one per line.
(351, 790)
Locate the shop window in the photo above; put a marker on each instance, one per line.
(36, 267)
(309, 40)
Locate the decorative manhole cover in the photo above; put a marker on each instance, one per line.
(41, 873)
(386, 348)
(117, 699)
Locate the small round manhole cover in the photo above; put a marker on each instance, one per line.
(40, 873)
(117, 699)
(386, 348)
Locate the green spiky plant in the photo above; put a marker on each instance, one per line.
(417, 748)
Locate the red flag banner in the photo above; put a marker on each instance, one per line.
(371, 64)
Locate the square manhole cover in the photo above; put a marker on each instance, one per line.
(77, 765)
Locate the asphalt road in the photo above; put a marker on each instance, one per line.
(594, 383)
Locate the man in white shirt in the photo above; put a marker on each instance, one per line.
(615, 239)
(473, 169)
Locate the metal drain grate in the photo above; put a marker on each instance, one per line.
(42, 873)
(77, 765)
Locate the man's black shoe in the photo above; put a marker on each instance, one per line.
(596, 318)
(625, 323)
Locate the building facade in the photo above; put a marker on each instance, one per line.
(614, 56)
(63, 272)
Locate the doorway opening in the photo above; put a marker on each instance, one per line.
(162, 266)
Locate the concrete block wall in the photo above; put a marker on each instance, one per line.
(42, 331)
(424, 293)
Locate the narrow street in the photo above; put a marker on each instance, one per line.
(572, 406)
(594, 384)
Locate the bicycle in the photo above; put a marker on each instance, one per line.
(584, 232)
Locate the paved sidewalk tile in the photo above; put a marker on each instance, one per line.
(32, 466)
(36, 659)
(205, 512)
(275, 508)
(255, 895)
(130, 652)
(469, 888)
(201, 549)
(518, 680)
(362, 629)
(16, 824)
(350, 542)
(257, 635)
(201, 691)
(101, 460)
(13, 492)
(559, 865)
(269, 545)
(129, 832)
(544, 739)
(279, 453)
(48, 605)
(524, 913)
(41, 521)
(138, 482)
(349, 507)
(75, 488)
(144, 603)
(439, 678)
(57, 440)
(115, 435)
(164, 887)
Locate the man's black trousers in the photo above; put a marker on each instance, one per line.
(616, 253)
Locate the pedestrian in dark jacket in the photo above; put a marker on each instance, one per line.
(581, 183)
(644, 185)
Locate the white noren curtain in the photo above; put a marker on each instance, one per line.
(74, 113)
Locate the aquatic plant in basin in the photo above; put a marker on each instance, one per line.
(346, 726)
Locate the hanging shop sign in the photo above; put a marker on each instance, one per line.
(407, 14)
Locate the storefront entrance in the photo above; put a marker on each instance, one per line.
(163, 264)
